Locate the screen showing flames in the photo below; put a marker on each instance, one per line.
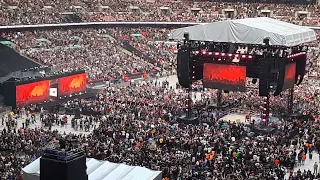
(290, 76)
(32, 92)
(224, 77)
(72, 84)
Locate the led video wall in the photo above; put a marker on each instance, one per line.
(44, 90)
(72, 84)
(290, 75)
(32, 92)
(224, 77)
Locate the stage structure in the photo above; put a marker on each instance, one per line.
(186, 76)
(223, 54)
(49, 87)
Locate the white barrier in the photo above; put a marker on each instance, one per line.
(110, 23)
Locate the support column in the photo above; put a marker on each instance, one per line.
(219, 102)
(219, 97)
(290, 101)
(189, 103)
(266, 109)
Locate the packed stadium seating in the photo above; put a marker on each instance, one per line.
(35, 12)
(102, 53)
(135, 124)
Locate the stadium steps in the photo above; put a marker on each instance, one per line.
(72, 18)
(128, 53)
(134, 56)
(127, 46)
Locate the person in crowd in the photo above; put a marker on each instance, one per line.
(20, 13)
(137, 123)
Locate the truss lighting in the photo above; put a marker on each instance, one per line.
(296, 55)
(219, 55)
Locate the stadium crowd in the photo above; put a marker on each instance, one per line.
(101, 52)
(136, 124)
(104, 53)
(40, 12)
(140, 120)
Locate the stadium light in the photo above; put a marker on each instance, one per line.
(236, 55)
(222, 55)
(296, 55)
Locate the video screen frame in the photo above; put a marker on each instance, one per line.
(217, 76)
(290, 76)
(72, 84)
(33, 92)
(52, 82)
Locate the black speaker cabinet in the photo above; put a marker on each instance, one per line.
(183, 67)
(53, 169)
(264, 76)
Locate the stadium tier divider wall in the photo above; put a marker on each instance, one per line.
(106, 24)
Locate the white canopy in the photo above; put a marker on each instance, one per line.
(101, 170)
(248, 31)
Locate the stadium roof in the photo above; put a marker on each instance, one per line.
(248, 31)
(101, 170)
(12, 61)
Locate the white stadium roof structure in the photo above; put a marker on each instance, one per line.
(101, 170)
(248, 31)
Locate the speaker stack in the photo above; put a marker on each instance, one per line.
(67, 168)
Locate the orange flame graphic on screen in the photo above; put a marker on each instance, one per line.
(38, 90)
(77, 82)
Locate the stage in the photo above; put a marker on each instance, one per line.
(183, 119)
(237, 117)
(49, 106)
(241, 118)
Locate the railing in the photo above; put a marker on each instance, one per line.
(63, 25)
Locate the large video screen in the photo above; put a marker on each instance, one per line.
(32, 92)
(290, 75)
(224, 77)
(72, 84)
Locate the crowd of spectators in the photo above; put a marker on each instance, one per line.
(138, 126)
(139, 122)
(100, 52)
(35, 12)
(103, 53)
